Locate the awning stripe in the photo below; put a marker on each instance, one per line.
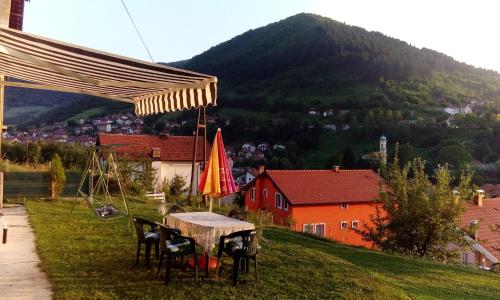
(154, 88)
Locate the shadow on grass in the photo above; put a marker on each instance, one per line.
(413, 275)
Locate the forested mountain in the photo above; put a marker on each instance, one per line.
(313, 56)
(31, 107)
(362, 83)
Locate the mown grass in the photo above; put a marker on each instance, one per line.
(87, 113)
(90, 258)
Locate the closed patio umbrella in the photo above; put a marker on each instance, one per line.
(217, 180)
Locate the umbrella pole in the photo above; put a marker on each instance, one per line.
(210, 205)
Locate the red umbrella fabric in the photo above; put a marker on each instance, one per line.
(217, 179)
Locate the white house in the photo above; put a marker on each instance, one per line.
(170, 155)
(453, 110)
(482, 213)
(278, 147)
(248, 147)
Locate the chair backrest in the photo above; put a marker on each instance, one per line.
(236, 214)
(167, 233)
(139, 229)
(249, 239)
(250, 244)
(174, 208)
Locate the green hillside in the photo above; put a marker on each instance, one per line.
(367, 84)
(370, 82)
(86, 258)
(309, 56)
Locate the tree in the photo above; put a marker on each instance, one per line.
(177, 185)
(348, 158)
(35, 153)
(334, 159)
(455, 155)
(406, 154)
(57, 177)
(420, 216)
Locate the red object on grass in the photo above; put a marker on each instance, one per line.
(212, 262)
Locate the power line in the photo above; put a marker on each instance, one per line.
(137, 30)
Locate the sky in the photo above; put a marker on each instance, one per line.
(177, 30)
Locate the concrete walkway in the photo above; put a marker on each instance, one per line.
(20, 276)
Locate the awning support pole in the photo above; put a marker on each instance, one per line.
(2, 95)
(201, 121)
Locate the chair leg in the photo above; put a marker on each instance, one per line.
(160, 263)
(256, 270)
(206, 264)
(167, 269)
(157, 249)
(217, 269)
(138, 253)
(195, 267)
(244, 265)
(148, 253)
(236, 268)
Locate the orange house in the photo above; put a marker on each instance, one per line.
(328, 203)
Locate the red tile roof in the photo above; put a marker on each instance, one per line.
(326, 186)
(488, 215)
(172, 148)
(492, 190)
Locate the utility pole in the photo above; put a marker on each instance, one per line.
(201, 124)
(2, 94)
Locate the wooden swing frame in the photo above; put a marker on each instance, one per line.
(105, 170)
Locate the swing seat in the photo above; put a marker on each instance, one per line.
(108, 212)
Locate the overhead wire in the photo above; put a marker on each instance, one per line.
(137, 30)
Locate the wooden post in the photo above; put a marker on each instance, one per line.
(2, 94)
(201, 121)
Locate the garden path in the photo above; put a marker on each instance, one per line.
(20, 274)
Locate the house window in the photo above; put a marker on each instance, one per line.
(252, 194)
(309, 228)
(354, 224)
(344, 225)
(343, 205)
(264, 193)
(465, 258)
(285, 205)
(319, 229)
(278, 199)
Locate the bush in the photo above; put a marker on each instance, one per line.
(57, 177)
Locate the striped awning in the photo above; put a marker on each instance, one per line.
(42, 63)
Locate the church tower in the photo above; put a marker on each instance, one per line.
(383, 146)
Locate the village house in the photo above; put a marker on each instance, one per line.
(484, 214)
(330, 127)
(453, 109)
(230, 151)
(278, 147)
(103, 126)
(248, 147)
(244, 175)
(85, 140)
(264, 147)
(327, 203)
(491, 190)
(170, 155)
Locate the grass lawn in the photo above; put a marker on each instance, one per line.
(95, 259)
(87, 114)
(25, 113)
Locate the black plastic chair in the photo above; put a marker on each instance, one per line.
(241, 246)
(148, 238)
(174, 208)
(172, 246)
